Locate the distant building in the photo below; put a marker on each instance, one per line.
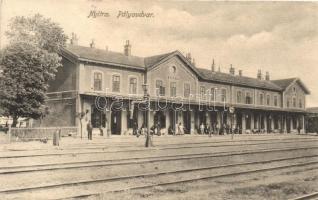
(260, 104)
(312, 120)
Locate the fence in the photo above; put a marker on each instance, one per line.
(39, 133)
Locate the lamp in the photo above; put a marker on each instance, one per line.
(146, 95)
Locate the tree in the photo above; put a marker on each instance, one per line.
(30, 61)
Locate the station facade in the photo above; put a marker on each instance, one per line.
(109, 87)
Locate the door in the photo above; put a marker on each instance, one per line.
(187, 122)
(116, 122)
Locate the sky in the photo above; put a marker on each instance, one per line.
(278, 37)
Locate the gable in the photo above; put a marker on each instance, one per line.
(173, 69)
(296, 87)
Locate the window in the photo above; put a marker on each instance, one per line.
(173, 89)
(223, 95)
(239, 97)
(202, 92)
(294, 102)
(248, 98)
(116, 83)
(288, 103)
(268, 100)
(160, 89)
(300, 103)
(275, 101)
(261, 99)
(212, 94)
(133, 86)
(97, 81)
(186, 90)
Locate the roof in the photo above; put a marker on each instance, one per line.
(285, 83)
(152, 60)
(312, 110)
(239, 80)
(99, 55)
(119, 59)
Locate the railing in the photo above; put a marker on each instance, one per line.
(39, 133)
(61, 95)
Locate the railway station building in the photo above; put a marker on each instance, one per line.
(109, 86)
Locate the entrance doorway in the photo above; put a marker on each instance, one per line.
(187, 121)
(160, 118)
(115, 122)
(288, 124)
(98, 118)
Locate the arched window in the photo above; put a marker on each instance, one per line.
(98, 81)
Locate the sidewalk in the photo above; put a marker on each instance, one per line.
(117, 140)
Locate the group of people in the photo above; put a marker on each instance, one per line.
(179, 129)
(215, 129)
(154, 130)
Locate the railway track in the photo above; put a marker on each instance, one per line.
(311, 196)
(151, 149)
(163, 143)
(139, 160)
(167, 174)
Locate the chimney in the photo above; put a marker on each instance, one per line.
(240, 72)
(259, 74)
(232, 70)
(74, 39)
(267, 76)
(188, 57)
(106, 48)
(92, 44)
(193, 61)
(127, 48)
(213, 66)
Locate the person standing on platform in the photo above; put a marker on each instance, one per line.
(202, 128)
(89, 130)
(135, 129)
